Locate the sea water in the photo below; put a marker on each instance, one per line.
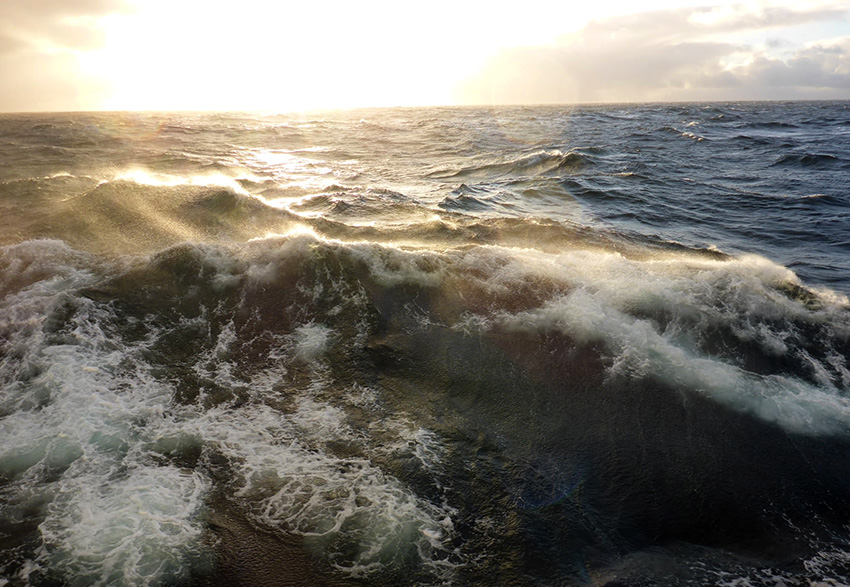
(559, 345)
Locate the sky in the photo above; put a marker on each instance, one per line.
(65, 55)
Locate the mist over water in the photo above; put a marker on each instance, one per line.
(523, 346)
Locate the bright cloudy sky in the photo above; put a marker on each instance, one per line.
(277, 56)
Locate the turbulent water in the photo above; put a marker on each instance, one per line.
(589, 345)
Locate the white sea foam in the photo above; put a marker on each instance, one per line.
(609, 294)
(77, 424)
(290, 483)
(823, 569)
(86, 435)
(286, 473)
(134, 529)
(824, 563)
(652, 315)
(640, 351)
(113, 515)
(86, 426)
(311, 340)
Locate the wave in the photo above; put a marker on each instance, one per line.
(286, 374)
(127, 216)
(353, 205)
(731, 314)
(95, 416)
(537, 163)
(812, 160)
(510, 198)
(758, 140)
(674, 131)
(769, 124)
(468, 199)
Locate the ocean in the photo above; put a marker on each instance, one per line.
(557, 345)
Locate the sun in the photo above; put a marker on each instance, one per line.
(190, 55)
(271, 57)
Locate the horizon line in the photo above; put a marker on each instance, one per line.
(271, 112)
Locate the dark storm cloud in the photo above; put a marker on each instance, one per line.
(37, 70)
(666, 55)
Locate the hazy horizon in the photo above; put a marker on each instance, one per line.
(267, 112)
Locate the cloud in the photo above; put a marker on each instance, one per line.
(38, 39)
(679, 54)
(57, 24)
(301, 54)
(729, 18)
(820, 68)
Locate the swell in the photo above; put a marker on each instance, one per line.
(333, 393)
(141, 214)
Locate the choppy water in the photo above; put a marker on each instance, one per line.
(531, 346)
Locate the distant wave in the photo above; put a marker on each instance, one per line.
(814, 160)
(768, 124)
(536, 163)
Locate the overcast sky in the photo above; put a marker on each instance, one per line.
(253, 54)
